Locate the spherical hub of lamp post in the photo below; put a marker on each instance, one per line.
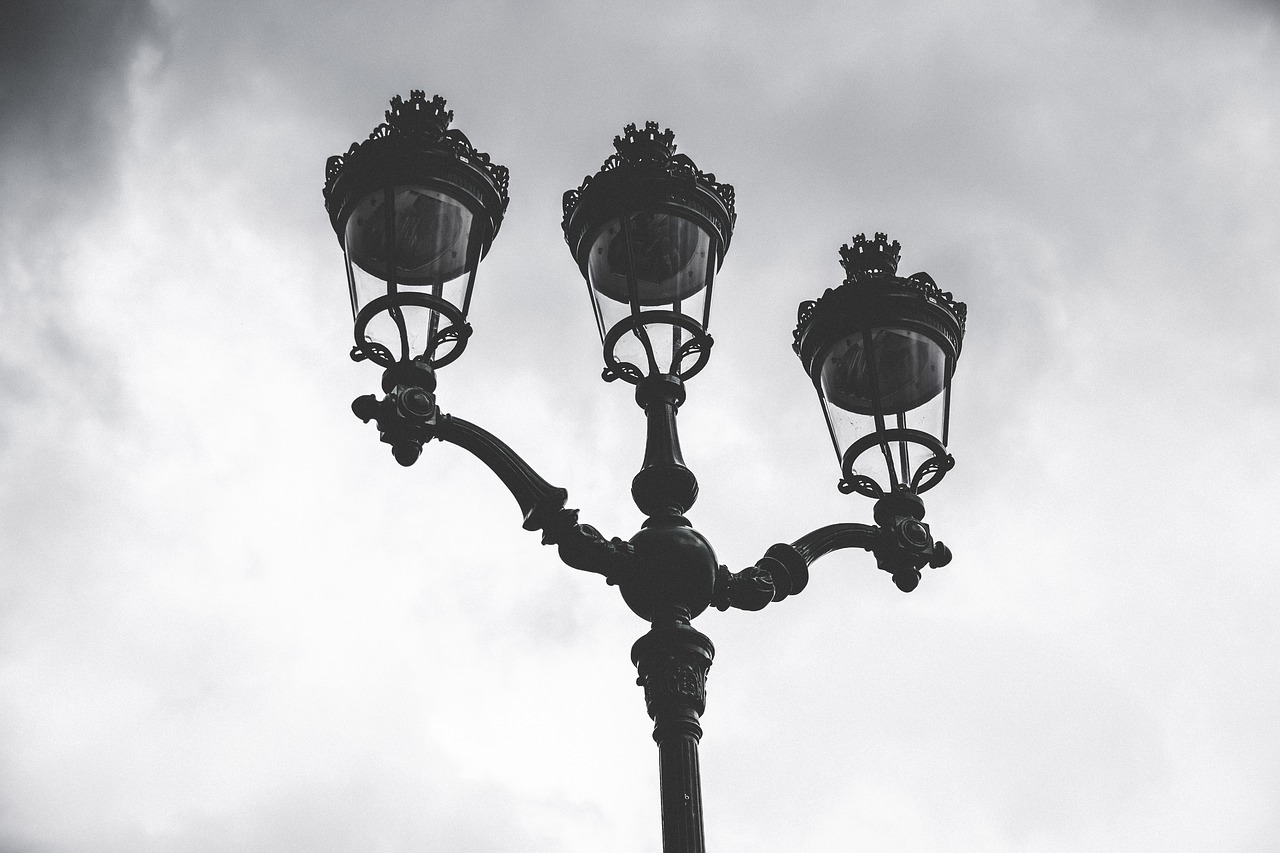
(674, 571)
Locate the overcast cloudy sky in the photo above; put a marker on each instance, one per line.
(230, 622)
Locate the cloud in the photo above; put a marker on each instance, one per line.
(229, 618)
(64, 108)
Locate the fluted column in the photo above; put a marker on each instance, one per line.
(672, 660)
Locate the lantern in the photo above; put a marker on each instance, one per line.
(649, 232)
(415, 208)
(881, 351)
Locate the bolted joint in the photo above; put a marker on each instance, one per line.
(406, 418)
(905, 546)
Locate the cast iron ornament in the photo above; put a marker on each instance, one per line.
(646, 174)
(415, 146)
(414, 142)
(873, 295)
(667, 572)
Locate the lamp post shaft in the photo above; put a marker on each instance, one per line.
(681, 787)
(672, 660)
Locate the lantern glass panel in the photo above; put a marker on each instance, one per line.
(672, 262)
(402, 243)
(901, 371)
(422, 238)
(886, 380)
(668, 254)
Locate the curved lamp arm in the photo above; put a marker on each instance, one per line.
(407, 418)
(834, 537)
(902, 547)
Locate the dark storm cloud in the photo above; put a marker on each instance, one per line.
(64, 71)
(64, 107)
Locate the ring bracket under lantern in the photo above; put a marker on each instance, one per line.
(881, 351)
(649, 232)
(415, 208)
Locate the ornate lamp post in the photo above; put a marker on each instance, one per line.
(416, 208)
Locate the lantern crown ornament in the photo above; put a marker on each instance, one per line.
(881, 351)
(415, 207)
(649, 232)
(863, 257)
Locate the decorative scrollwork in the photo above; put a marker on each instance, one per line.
(458, 330)
(750, 589)
(583, 547)
(677, 684)
(872, 296)
(420, 125)
(373, 351)
(458, 334)
(623, 370)
(930, 472)
(876, 442)
(861, 484)
(673, 663)
(700, 344)
(653, 150)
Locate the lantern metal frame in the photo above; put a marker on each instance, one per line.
(415, 147)
(667, 572)
(872, 297)
(646, 175)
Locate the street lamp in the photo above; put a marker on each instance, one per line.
(416, 208)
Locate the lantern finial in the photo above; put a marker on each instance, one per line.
(870, 257)
(417, 115)
(648, 145)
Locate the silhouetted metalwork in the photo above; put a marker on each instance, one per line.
(415, 207)
(881, 351)
(650, 230)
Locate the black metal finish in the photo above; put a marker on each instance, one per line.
(644, 172)
(645, 175)
(871, 297)
(901, 542)
(672, 661)
(667, 573)
(414, 147)
(664, 487)
(408, 417)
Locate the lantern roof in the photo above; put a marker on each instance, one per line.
(416, 145)
(874, 296)
(645, 172)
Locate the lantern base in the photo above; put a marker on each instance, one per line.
(926, 475)
(697, 343)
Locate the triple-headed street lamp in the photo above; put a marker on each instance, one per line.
(416, 208)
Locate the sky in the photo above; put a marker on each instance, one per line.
(229, 621)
